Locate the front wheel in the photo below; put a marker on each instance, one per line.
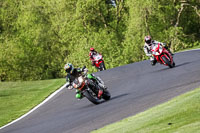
(166, 61)
(173, 64)
(106, 95)
(102, 66)
(91, 97)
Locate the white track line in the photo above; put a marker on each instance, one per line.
(47, 99)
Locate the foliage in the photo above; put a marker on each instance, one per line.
(38, 37)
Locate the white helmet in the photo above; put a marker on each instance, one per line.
(147, 39)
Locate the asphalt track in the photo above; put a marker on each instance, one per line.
(134, 88)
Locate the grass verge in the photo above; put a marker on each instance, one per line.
(17, 98)
(195, 47)
(179, 115)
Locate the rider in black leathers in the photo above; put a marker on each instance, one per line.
(73, 73)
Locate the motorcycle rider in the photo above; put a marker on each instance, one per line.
(73, 73)
(92, 53)
(148, 47)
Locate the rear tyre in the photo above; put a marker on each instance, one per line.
(166, 61)
(91, 97)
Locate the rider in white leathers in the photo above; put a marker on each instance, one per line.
(149, 43)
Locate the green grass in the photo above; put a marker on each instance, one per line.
(179, 115)
(17, 98)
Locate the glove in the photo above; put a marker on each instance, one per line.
(150, 55)
(164, 44)
(83, 67)
(85, 71)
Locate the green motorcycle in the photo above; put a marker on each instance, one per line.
(88, 87)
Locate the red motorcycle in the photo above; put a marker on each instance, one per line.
(99, 62)
(162, 55)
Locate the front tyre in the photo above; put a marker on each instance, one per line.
(166, 61)
(91, 97)
(106, 95)
(173, 64)
(102, 66)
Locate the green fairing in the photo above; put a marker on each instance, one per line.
(90, 76)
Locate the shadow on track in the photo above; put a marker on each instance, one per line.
(167, 68)
(118, 96)
(183, 64)
(103, 101)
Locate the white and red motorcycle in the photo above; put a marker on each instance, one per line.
(99, 62)
(162, 55)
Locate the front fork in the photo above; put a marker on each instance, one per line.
(98, 80)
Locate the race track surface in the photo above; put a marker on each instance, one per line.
(134, 88)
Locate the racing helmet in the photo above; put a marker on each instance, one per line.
(147, 39)
(92, 49)
(69, 67)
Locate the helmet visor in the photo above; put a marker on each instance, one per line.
(68, 70)
(148, 41)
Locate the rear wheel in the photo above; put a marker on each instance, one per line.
(166, 61)
(91, 97)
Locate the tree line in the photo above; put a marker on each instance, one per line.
(38, 37)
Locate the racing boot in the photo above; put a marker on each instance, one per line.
(153, 61)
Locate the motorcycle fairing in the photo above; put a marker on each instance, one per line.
(167, 55)
(90, 76)
(158, 51)
(98, 60)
